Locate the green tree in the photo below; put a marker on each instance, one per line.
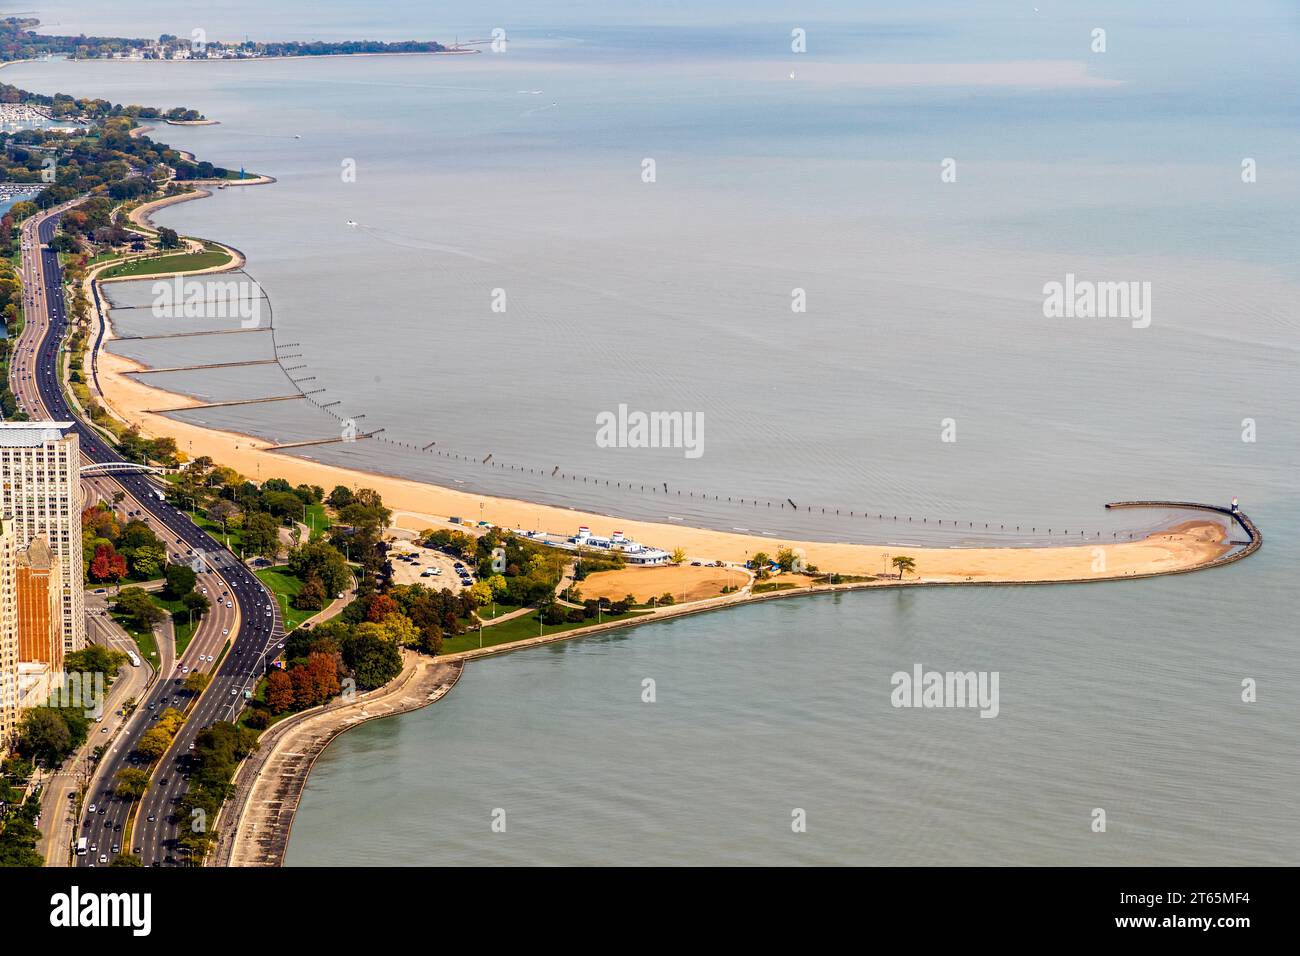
(395, 628)
(196, 602)
(904, 564)
(132, 783)
(481, 593)
(339, 497)
(311, 597)
(262, 535)
(18, 842)
(372, 660)
(135, 604)
(44, 734)
(94, 658)
(325, 562)
(147, 561)
(180, 580)
(153, 743)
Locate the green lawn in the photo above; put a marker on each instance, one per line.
(106, 257)
(521, 628)
(173, 263)
(285, 586)
(181, 625)
(144, 640)
(771, 586)
(213, 528)
(318, 520)
(486, 613)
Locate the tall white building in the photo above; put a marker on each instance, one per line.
(40, 495)
(9, 692)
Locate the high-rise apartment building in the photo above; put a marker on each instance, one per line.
(40, 495)
(9, 692)
(39, 582)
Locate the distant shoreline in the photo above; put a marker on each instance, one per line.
(245, 59)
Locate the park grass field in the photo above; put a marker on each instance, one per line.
(185, 262)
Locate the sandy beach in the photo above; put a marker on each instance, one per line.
(417, 505)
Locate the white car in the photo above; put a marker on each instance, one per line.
(228, 604)
(209, 658)
(225, 631)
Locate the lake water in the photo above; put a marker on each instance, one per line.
(523, 172)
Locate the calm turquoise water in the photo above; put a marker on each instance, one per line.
(1124, 698)
(924, 304)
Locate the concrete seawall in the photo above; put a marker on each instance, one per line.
(1253, 534)
(269, 784)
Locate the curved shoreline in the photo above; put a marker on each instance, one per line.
(418, 505)
(262, 809)
(249, 843)
(421, 504)
(270, 782)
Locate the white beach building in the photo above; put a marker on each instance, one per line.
(633, 552)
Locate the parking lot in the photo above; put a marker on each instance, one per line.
(409, 572)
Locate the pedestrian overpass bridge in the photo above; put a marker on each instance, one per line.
(118, 468)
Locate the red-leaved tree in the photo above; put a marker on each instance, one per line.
(107, 565)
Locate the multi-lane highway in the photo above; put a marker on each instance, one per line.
(233, 642)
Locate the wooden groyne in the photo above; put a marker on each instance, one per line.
(235, 401)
